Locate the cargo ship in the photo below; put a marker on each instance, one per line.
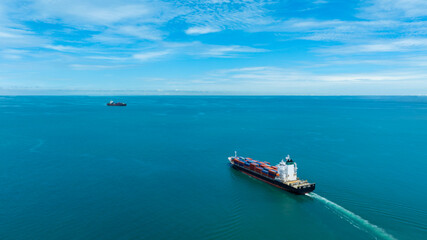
(283, 175)
(112, 103)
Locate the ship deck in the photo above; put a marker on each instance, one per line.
(297, 186)
(298, 183)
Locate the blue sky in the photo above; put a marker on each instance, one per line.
(294, 47)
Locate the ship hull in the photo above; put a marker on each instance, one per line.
(117, 104)
(274, 182)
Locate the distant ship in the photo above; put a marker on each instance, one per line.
(112, 103)
(283, 175)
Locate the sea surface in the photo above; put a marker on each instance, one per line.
(73, 168)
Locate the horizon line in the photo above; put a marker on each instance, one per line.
(216, 95)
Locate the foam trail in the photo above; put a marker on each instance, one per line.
(354, 219)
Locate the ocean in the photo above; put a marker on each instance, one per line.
(73, 168)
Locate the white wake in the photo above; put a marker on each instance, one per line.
(354, 219)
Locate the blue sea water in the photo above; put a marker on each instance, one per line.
(73, 168)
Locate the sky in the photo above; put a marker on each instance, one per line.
(209, 47)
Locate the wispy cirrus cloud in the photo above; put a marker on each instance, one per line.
(111, 21)
(375, 46)
(145, 56)
(128, 34)
(95, 13)
(13, 54)
(20, 37)
(277, 80)
(265, 74)
(214, 16)
(344, 31)
(227, 51)
(95, 67)
(165, 50)
(100, 34)
(61, 48)
(392, 9)
(114, 22)
(202, 30)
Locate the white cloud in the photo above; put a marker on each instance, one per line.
(226, 51)
(145, 56)
(82, 13)
(241, 15)
(337, 30)
(217, 1)
(11, 37)
(111, 21)
(277, 75)
(163, 50)
(108, 58)
(94, 67)
(266, 74)
(13, 54)
(218, 51)
(111, 39)
(385, 45)
(202, 30)
(61, 48)
(141, 32)
(142, 18)
(392, 9)
(196, 49)
(276, 80)
(128, 34)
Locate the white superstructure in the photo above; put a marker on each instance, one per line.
(287, 170)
